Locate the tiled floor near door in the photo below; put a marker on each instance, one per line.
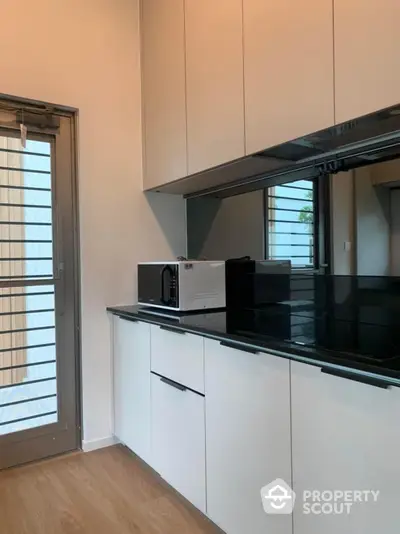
(103, 492)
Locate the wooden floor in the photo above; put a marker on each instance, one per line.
(102, 492)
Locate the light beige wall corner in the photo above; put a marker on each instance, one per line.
(395, 232)
(387, 173)
(372, 225)
(229, 228)
(85, 54)
(343, 238)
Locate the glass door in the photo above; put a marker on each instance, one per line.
(39, 400)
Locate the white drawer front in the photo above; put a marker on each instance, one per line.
(178, 439)
(179, 356)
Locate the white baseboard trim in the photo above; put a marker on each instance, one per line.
(101, 443)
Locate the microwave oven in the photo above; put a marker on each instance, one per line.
(182, 285)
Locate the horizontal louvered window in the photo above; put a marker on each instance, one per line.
(28, 393)
(290, 223)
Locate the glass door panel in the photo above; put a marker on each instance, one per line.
(35, 405)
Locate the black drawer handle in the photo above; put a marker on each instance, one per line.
(172, 329)
(172, 383)
(238, 347)
(127, 318)
(357, 378)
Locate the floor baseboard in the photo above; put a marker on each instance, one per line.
(95, 444)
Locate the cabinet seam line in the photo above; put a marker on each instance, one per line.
(150, 451)
(205, 425)
(334, 61)
(291, 433)
(142, 96)
(185, 82)
(244, 87)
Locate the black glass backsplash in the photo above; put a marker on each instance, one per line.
(371, 299)
(355, 315)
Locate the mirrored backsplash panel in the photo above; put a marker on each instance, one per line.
(346, 224)
(226, 228)
(365, 220)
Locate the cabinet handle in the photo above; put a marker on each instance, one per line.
(357, 378)
(238, 347)
(127, 318)
(172, 383)
(171, 329)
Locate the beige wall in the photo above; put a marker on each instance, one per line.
(387, 173)
(372, 225)
(342, 223)
(360, 216)
(395, 231)
(85, 54)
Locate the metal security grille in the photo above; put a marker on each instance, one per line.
(28, 386)
(290, 223)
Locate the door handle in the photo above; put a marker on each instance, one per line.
(172, 383)
(356, 378)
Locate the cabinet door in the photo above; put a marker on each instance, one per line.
(163, 89)
(346, 436)
(214, 74)
(247, 437)
(178, 439)
(367, 60)
(288, 70)
(132, 385)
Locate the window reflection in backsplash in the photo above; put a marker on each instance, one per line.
(361, 237)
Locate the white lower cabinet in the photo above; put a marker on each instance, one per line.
(261, 418)
(346, 437)
(178, 438)
(132, 385)
(247, 437)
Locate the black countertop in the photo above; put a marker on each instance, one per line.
(367, 345)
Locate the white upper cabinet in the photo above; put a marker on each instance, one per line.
(367, 58)
(214, 80)
(163, 90)
(288, 69)
(345, 436)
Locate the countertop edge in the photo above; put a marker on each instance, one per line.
(293, 353)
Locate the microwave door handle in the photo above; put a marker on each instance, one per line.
(164, 270)
(163, 284)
